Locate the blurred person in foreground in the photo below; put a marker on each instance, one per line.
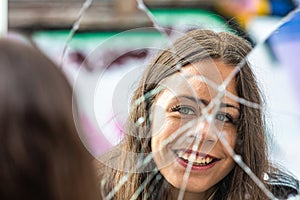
(42, 156)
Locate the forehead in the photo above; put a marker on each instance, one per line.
(214, 70)
(200, 79)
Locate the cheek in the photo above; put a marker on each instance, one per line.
(161, 153)
(231, 137)
(162, 130)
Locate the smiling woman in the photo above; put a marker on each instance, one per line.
(186, 105)
(211, 163)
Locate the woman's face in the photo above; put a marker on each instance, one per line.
(187, 123)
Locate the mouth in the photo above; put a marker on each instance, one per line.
(197, 160)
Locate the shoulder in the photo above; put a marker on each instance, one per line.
(282, 184)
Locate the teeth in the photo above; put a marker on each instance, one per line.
(208, 160)
(185, 156)
(198, 160)
(193, 158)
(180, 153)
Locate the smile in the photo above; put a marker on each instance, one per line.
(196, 160)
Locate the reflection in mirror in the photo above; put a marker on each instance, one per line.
(282, 183)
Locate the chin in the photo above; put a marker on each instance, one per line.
(192, 186)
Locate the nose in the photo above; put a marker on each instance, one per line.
(206, 136)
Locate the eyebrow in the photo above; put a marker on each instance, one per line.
(206, 102)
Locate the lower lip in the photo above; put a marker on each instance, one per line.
(195, 167)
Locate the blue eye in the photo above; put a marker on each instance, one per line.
(185, 110)
(224, 117)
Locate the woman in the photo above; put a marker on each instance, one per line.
(185, 118)
(41, 154)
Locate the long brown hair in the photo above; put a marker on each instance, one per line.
(251, 141)
(41, 154)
